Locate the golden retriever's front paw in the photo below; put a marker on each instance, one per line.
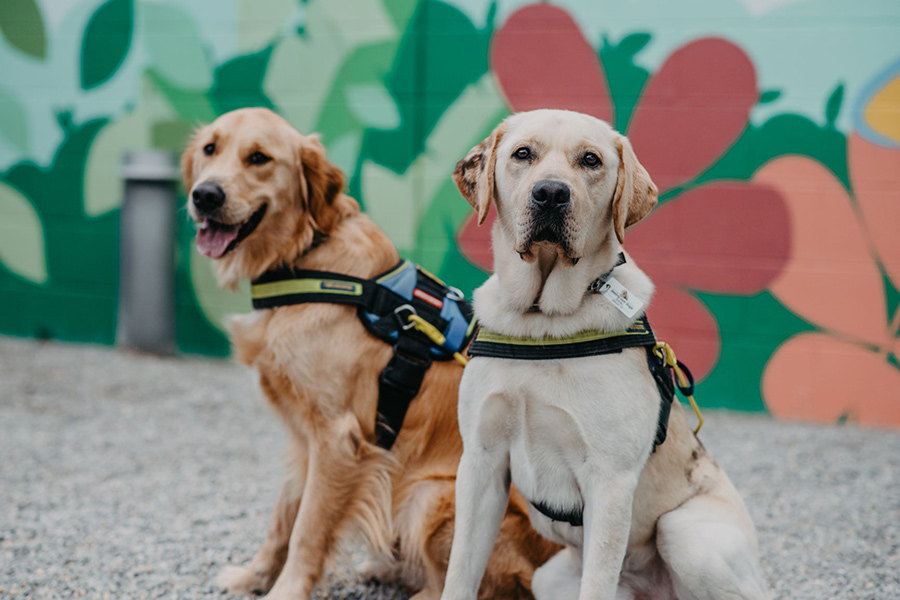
(243, 580)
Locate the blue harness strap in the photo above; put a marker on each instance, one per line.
(384, 304)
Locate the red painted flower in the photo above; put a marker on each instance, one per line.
(726, 237)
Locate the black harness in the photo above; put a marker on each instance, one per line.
(594, 343)
(385, 305)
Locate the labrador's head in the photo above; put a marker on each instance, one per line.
(259, 192)
(558, 178)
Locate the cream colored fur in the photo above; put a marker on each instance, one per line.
(579, 432)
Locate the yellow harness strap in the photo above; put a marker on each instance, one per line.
(665, 352)
(432, 333)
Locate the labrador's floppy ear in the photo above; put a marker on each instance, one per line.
(474, 174)
(636, 194)
(322, 183)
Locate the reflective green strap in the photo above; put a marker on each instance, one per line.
(584, 336)
(305, 286)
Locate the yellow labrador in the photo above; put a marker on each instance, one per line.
(575, 435)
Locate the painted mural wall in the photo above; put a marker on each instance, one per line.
(771, 126)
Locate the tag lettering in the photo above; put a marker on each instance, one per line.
(627, 303)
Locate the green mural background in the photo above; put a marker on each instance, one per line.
(401, 89)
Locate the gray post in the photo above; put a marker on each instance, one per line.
(146, 316)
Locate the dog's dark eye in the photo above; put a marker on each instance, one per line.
(590, 160)
(209, 149)
(258, 158)
(522, 154)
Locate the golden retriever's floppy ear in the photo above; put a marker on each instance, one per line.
(636, 194)
(323, 183)
(474, 175)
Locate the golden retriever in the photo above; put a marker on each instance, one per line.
(262, 195)
(576, 435)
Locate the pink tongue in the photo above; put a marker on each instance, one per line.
(213, 241)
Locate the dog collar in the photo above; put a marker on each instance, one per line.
(596, 284)
(594, 287)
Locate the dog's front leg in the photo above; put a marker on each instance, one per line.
(482, 495)
(258, 576)
(338, 460)
(607, 522)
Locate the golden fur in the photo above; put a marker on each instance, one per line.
(319, 368)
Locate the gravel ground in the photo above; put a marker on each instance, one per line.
(128, 476)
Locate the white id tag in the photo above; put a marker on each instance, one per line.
(625, 301)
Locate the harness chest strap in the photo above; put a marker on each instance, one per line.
(586, 343)
(661, 362)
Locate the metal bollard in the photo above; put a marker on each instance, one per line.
(146, 314)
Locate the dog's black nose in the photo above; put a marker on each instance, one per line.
(550, 195)
(208, 197)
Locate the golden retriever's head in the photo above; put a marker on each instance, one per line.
(259, 192)
(559, 178)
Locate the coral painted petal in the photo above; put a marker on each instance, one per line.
(830, 278)
(687, 325)
(875, 177)
(726, 237)
(815, 377)
(474, 241)
(692, 110)
(542, 60)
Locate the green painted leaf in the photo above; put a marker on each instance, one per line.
(401, 11)
(103, 185)
(106, 42)
(23, 26)
(396, 202)
(373, 106)
(259, 22)
(238, 83)
(769, 96)
(300, 74)
(152, 124)
(21, 236)
(13, 121)
(634, 43)
(175, 45)
(391, 202)
(833, 106)
(356, 23)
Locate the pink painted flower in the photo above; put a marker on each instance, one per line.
(843, 253)
(726, 237)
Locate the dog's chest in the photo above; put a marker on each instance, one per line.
(568, 423)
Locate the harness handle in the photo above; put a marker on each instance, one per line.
(685, 379)
(433, 334)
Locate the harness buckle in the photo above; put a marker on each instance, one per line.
(454, 293)
(407, 323)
